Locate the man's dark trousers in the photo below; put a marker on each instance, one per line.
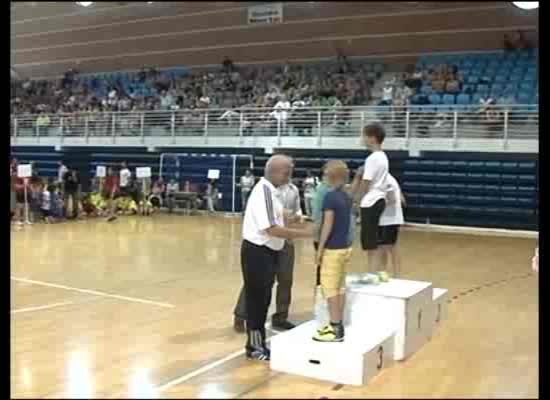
(283, 275)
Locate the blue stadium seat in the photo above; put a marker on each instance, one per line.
(497, 87)
(480, 64)
(475, 167)
(492, 178)
(530, 78)
(527, 167)
(444, 165)
(503, 71)
(459, 165)
(507, 201)
(463, 99)
(518, 71)
(468, 89)
(527, 190)
(444, 188)
(476, 177)
(524, 98)
(434, 99)
(493, 166)
(527, 86)
(449, 99)
(526, 202)
(515, 78)
(500, 78)
(496, 94)
(491, 71)
(476, 72)
(511, 88)
(509, 166)
(426, 89)
(476, 98)
(483, 89)
(486, 78)
(523, 63)
(493, 64)
(491, 189)
(472, 80)
(509, 179)
(526, 180)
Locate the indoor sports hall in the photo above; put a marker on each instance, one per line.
(150, 141)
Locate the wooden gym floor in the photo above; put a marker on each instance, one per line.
(142, 307)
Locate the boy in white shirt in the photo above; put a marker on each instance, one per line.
(246, 185)
(125, 179)
(370, 186)
(46, 204)
(390, 221)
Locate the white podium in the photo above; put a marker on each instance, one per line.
(384, 322)
(355, 361)
(402, 305)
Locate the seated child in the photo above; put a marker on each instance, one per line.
(89, 207)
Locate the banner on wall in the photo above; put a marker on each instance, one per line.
(266, 14)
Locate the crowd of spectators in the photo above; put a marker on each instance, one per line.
(405, 88)
(227, 87)
(260, 96)
(52, 200)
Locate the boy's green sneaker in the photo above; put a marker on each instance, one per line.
(329, 334)
(383, 276)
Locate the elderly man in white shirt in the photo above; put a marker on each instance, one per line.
(290, 197)
(264, 235)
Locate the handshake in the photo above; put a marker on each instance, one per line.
(295, 227)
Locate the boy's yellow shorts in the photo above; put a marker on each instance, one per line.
(333, 271)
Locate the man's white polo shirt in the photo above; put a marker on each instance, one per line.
(263, 210)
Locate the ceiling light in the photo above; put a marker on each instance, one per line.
(85, 3)
(526, 5)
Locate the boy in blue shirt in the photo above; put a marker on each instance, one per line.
(334, 252)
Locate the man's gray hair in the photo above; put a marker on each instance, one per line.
(275, 162)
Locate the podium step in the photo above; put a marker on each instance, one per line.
(438, 311)
(404, 306)
(355, 361)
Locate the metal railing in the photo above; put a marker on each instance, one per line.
(458, 122)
